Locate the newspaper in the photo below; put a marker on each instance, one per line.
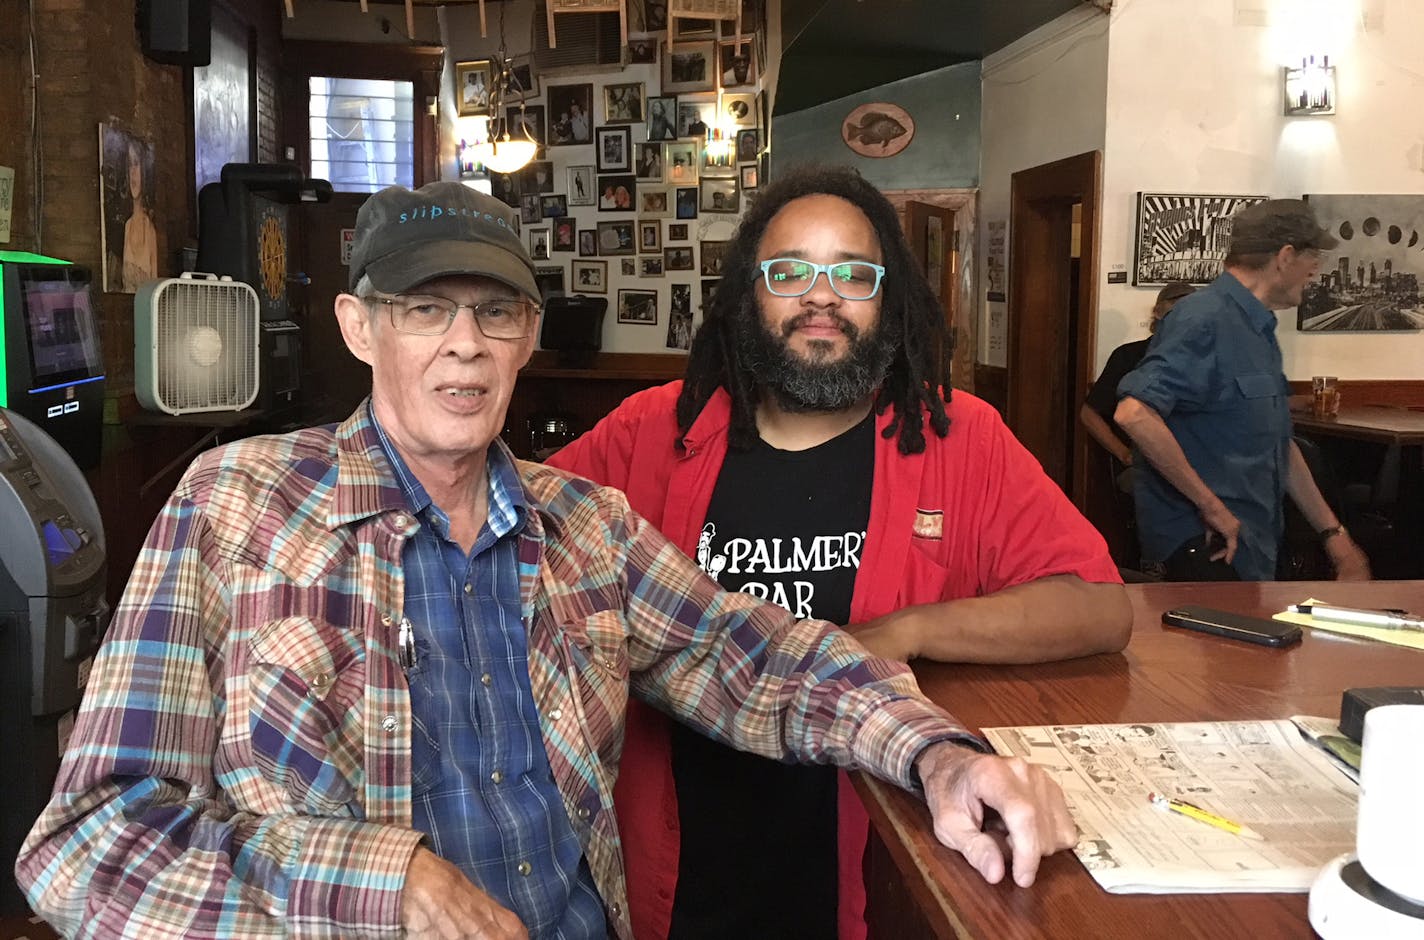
(1262, 774)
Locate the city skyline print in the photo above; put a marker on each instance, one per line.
(1370, 281)
(1183, 236)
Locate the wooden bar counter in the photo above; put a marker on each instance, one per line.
(918, 888)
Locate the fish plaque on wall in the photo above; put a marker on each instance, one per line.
(878, 129)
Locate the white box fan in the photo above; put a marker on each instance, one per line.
(196, 344)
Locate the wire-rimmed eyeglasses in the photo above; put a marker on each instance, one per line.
(428, 315)
(851, 280)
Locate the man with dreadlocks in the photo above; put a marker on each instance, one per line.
(815, 457)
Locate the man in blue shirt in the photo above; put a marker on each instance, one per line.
(1207, 408)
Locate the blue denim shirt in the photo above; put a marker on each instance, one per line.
(482, 789)
(1213, 372)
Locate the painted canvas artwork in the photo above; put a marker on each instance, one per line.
(1370, 281)
(1183, 237)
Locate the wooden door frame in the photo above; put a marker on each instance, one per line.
(419, 65)
(964, 204)
(1073, 179)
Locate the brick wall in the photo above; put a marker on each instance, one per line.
(92, 70)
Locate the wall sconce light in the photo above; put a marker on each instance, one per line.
(1310, 89)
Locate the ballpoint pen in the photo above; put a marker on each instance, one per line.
(1191, 811)
(1384, 619)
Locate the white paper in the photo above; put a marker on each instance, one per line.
(1262, 774)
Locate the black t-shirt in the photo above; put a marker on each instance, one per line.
(1102, 397)
(758, 855)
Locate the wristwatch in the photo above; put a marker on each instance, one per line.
(1327, 534)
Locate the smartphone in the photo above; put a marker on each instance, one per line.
(1260, 630)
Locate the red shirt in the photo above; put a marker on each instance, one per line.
(972, 515)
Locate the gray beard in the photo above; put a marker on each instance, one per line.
(814, 384)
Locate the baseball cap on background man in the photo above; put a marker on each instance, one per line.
(407, 237)
(1269, 226)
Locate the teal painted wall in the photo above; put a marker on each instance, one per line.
(943, 154)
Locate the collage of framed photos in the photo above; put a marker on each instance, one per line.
(624, 197)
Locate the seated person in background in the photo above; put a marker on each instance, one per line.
(370, 680)
(815, 457)
(1208, 409)
(1097, 411)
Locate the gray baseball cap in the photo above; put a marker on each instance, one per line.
(407, 237)
(1271, 225)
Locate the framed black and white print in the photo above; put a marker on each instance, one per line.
(662, 117)
(719, 195)
(581, 191)
(614, 146)
(1183, 236)
(589, 277)
(570, 114)
(638, 306)
(690, 67)
(1370, 281)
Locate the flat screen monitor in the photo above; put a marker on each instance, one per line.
(59, 319)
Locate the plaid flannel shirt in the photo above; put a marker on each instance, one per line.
(241, 765)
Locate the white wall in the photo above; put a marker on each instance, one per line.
(1043, 100)
(1194, 105)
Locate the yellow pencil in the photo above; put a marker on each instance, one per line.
(1183, 808)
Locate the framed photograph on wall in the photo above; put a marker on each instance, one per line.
(719, 195)
(712, 252)
(748, 145)
(680, 162)
(617, 193)
(472, 87)
(691, 111)
(570, 114)
(688, 67)
(680, 317)
(740, 108)
(1369, 282)
(565, 236)
(587, 243)
(531, 210)
(678, 259)
(638, 306)
(1183, 236)
(677, 232)
(523, 80)
(581, 191)
(589, 277)
(686, 201)
(737, 61)
(662, 117)
(655, 202)
(642, 49)
(539, 243)
(623, 103)
(614, 146)
(550, 279)
(616, 238)
(554, 206)
(650, 266)
(749, 176)
(648, 162)
(650, 236)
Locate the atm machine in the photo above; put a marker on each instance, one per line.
(52, 616)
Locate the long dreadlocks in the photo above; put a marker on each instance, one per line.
(910, 317)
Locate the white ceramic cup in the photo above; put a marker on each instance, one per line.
(1391, 828)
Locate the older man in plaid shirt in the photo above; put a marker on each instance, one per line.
(369, 680)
